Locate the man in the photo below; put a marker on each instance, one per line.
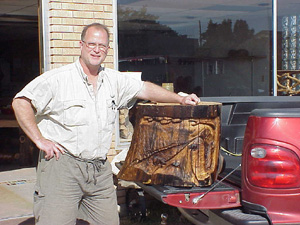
(69, 114)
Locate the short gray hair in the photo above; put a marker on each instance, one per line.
(97, 26)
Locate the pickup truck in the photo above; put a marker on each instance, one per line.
(259, 180)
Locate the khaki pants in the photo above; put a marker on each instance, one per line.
(67, 189)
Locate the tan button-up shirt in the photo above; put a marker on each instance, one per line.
(69, 112)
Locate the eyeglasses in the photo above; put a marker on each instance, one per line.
(92, 45)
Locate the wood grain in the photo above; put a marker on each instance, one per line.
(174, 145)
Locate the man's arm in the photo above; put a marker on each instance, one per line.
(156, 93)
(25, 116)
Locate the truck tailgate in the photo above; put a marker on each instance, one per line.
(222, 196)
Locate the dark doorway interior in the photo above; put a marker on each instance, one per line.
(19, 63)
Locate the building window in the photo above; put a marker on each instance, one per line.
(211, 49)
(288, 52)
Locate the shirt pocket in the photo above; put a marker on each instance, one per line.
(111, 111)
(75, 113)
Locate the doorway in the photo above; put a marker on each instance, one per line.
(19, 63)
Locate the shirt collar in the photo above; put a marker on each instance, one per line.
(84, 76)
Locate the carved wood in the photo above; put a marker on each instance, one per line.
(174, 145)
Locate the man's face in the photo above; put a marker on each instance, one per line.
(94, 47)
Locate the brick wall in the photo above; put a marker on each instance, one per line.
(66, 21)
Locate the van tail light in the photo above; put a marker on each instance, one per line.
(271, 166)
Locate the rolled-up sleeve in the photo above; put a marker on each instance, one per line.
(128, 88)
(40, 93)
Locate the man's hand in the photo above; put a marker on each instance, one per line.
(191, 99)
(50, 148)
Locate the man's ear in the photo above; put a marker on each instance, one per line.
(81, 44)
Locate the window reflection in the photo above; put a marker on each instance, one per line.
(205, 47)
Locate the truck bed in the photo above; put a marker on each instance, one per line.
(234, 116)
